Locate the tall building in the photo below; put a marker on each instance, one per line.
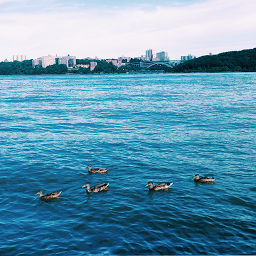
(19, 57)
(163, 56)
(150, 54)
(48, 60)
(69, 61)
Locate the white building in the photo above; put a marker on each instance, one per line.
(48, 60)
(150, 54)
(19, 57)
(45, 61)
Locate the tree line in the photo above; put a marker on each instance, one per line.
(26, 68)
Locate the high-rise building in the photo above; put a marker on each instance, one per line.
(163, 56)
(19, 57)
(150, 54)
(48, 60)
(69, 61)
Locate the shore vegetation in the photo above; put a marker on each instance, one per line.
(235, 61)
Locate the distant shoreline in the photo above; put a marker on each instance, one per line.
(135, 73)
(237, 61)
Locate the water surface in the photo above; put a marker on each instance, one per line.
(158, 128)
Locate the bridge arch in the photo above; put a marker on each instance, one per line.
(148, 65)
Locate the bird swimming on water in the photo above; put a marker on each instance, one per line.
(160, 186)
(203, 179)
(49, 195)
(96, 188)
(97, 170)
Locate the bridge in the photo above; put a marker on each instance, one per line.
(148, 64)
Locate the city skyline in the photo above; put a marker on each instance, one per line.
(150, 55)
(70, 61)
(82, 28)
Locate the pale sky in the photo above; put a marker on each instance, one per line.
(110, 29)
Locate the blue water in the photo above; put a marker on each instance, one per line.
(164, 127)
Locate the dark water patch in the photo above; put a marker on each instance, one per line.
(253, 189)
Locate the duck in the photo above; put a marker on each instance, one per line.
(96, 188)
(203, 179)
(160, 186)
(49, 195)
(97, 170)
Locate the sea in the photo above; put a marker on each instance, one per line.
(141, 127)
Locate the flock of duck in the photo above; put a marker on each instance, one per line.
(104, 186)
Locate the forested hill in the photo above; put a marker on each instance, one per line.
(237, 61)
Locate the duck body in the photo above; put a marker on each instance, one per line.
(160, 186)
(96, 188)
(49, 195)
(97, 170)
(203, 179)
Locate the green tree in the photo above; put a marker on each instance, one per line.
(56, 69)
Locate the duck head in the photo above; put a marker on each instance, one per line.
(196, 177)
(86, 185)
(39, 193)
(150, 183)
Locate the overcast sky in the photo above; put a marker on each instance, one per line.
(110, 29)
